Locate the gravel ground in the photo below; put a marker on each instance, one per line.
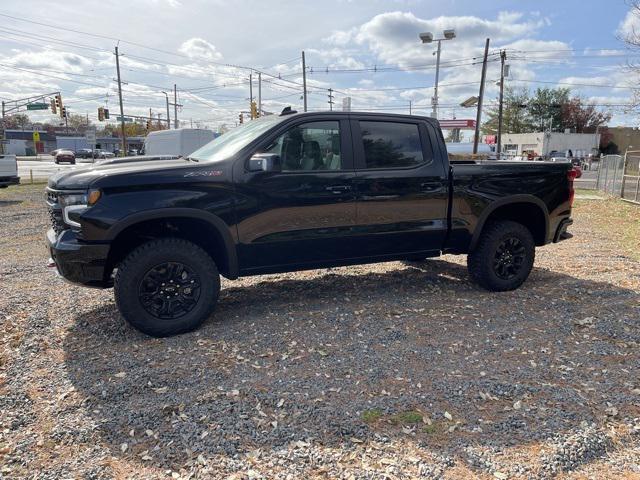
(382, 371)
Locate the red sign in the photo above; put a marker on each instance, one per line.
(490, 139)
(464, 124)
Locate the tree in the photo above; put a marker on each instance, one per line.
(545, 108)
(632, 38)
(582, 118)
(77, 122)
(515, 117)
(17, 120)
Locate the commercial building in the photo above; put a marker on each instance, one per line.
(540, 144)
(20, 142)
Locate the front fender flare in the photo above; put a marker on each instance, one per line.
(221, 227)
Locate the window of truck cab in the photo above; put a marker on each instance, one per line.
(393, 144)
(312, 146)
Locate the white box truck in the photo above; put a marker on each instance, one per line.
(182, 142)
(8, 171)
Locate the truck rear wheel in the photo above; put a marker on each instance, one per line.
(503, 257)
(166, 287)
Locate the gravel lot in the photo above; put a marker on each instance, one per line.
(382, 371)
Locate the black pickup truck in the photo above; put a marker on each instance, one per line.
(296, 191)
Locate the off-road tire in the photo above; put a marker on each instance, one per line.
(480, 262)
(136, 267)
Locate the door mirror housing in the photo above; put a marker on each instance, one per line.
(265, 162)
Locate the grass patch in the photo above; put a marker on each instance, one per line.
(13, 190)
(406, 418)
(371, 416)
(620, 220)
(435, 428)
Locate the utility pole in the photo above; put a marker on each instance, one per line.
(124, 139)
(503, 56)
(175, 106)
(259, 93)
(330, 102)
(409, 107)
(476, 136)
(166, 95)
(304, 81)
(2, 129)
(434, 109)
(250, 90)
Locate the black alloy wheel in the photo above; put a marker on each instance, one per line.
(509, 258)
(169, 290)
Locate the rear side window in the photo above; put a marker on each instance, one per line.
(391, 144)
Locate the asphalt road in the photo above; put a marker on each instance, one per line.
(43, 168)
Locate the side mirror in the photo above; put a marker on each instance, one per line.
(264, 162)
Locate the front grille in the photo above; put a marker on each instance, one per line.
(56, 220)
(55, 212)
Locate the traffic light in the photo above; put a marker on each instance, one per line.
(254, 110)
(148, 124)
(100, 114)
(241, 118)
(63, 112)
(58, 100)
(106, 113)
(53, 107)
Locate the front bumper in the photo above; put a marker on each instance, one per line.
(79, 262)
(561, 231)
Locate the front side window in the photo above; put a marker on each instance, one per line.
(309, 146)
(391, 144)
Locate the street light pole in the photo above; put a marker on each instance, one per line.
(427, 37)
(503, 56)
(434, 101)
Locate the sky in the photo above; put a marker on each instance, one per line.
(367, 50)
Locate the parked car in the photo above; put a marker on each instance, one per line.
(84, 153)
(98, 153)
(132, 152)
(8, 171)
(62, 155)
(291, 192)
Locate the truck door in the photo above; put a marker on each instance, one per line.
(302, 214)
(401, 184)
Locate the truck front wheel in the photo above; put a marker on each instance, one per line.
(503, 257)
(166, 287)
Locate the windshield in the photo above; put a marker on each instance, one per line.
(230, 143)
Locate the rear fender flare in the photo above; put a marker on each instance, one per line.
(493, 206)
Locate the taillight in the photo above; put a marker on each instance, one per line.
(571, 176)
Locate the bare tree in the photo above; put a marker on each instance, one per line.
(632, 38)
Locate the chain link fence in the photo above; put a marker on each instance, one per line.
(610, 172)
(631, 177)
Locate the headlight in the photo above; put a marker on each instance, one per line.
(74, 205)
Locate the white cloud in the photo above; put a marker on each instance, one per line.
(393, 36)
(199, 48)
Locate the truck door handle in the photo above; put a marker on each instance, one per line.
(338, 188)
(430, 186)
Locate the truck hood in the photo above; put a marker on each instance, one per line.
(127, 173)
